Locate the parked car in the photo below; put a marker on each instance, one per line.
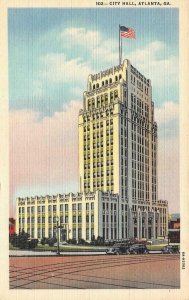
(170, 249)
(138, 249)
(118, 249)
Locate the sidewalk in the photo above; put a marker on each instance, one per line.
(26, 253)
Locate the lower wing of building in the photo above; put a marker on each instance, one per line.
(89, 215)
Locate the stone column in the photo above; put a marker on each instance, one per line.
(154, 225)
(130, 221)
(138, 223)
(158, 223)
(146, 225)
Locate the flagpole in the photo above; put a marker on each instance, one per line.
(119, 47)
(121, 50)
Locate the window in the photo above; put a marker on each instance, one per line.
(79, 233)
(87, 206)
(19, 210)
(92, 218)
(79, 219)
(39, 209)
(43, 209)
(79, 206)
(66, 207)
(43, 220)
(28, 210)
(61, 219)
(32, 220)
(92, 205)
(23, 210)
(87, 218)
(74, 219)
(50, 220)
(54, 219)
(50, 232)
(38, 220)
(28, 220)
(54, 208)
(92, 233)
(61, 207)
(74, 207)
(32, 232)
(74, 233)
(50, 208)
(43, 232)
(87, 234)
(54, 232)
(66, 219)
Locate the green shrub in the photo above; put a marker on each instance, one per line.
(32, 243)
(22, 241)
(72, 241)
(44, 241)
(51, 241)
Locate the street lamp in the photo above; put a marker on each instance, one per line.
(57, 228)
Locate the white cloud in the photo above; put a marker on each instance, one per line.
(167, 117)
(168, 171)
(44, 151)
(161, 71)
(57, 68)
(166, 113)
(102, 50)
(82, 36)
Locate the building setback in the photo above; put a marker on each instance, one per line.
(118, 165)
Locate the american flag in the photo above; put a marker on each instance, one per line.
(127, 32)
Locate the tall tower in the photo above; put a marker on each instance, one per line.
(118, 139)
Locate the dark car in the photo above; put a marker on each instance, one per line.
(118, 249)
(170, 249)
(138, 249)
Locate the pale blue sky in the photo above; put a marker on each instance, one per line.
(36, 33)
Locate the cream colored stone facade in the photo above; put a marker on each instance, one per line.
(118, 146)
(117, 167)
(80, 215)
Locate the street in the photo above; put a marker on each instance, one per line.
(153, 271)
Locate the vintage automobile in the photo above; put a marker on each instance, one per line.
(118, 249)
(138, 249)
(169, 249)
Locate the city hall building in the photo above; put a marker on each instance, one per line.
(118, 165)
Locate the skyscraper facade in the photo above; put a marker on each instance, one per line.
(118, 146)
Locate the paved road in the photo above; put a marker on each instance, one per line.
(95, 272)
